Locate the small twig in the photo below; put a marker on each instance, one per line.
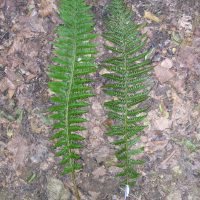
(168, 158)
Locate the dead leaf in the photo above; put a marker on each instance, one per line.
(174, 23)
(148, 31)
(162, 123)
(176, 99)
(16, 46)
(11, 93)
(6, 83)
(163, 107)
(108, 43)
(167, 63)
(162, 71)
(156, 145)
(46, 7)
(29, 22)
(101, 171)
(17, 80)
(19, 148)
(30, 77)
(185, 22)
(176, 38)
(191, 60)
(104, 71)
(151, 16)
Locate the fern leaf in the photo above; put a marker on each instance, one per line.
(127, 80)
(59, 76)
(59, 134)
(74, 60)
(62, 151)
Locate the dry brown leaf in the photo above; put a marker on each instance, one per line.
(17, 80)
(156, 145)
(162, 123)
(148, 31)
(167, 63)
(191, 60)
(11, 93)
(104, 71)
(164, 74)
(185, 22)
(46, 7)
(30, 77)
(16, 46)
(101, 171)
(151, 16)
(19, 148)
(163, 107)
(29, 22)
(108, 43)
(6, 83)
(176, 99)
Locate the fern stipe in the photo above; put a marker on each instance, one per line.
(73, 63)
(128, 77)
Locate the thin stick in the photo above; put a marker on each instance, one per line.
(168, 158)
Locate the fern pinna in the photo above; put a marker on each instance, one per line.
(126, 74)
(70, 88)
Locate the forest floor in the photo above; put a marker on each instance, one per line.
(28, 168)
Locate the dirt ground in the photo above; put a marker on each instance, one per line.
(28, 168)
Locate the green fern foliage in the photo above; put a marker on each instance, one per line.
(127, 77)
(74, 61)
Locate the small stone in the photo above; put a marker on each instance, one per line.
(57, 190)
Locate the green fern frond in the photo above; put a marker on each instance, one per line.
(73, 62)
(128, 78)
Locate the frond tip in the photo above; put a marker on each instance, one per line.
(74, 60)
(127, 79)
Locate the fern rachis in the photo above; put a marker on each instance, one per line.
(128, 80)
(73, 47)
